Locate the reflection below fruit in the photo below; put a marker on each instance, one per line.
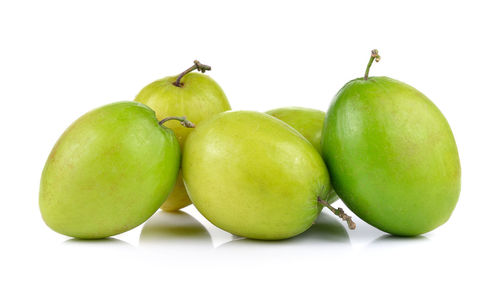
(174, 231)
(389, 240)
(98, 242)
(325, 231)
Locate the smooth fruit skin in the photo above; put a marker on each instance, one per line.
(199, 97)
(308, 122)
(108, 172)
(254, 176)
(392, 156)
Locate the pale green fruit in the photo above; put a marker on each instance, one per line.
(108, 172)
(309, 122)
(254, 176)
(197, 97)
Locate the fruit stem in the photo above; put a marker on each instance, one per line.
(182, 119)
(375, 56)
(197, 66)
(339, 212)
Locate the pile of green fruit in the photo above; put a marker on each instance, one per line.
(383, 147)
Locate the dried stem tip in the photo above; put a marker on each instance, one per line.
(340, 213)
(197, 66)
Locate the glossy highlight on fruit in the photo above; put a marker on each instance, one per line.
(392, 156)
(194, 95)
(254, 176)
(108, 172)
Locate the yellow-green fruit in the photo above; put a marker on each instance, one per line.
(109, 172)
(309, 122)
(254, 176)
(196, 96)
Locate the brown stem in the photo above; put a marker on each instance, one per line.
(339, 212)
(197, 66)
(182, 119)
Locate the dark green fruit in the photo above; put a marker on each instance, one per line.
(391, 155)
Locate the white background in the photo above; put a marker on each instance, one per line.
(59, 59)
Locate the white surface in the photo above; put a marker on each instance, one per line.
(59, 59)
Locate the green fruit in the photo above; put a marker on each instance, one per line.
(193, 95)
(308, 122)
(254, 176)
(391, 155)
(108, 172)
